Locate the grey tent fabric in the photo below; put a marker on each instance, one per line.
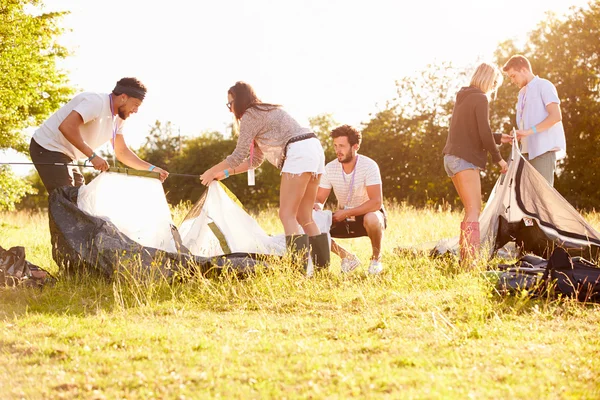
(84, 244)
(525, 209)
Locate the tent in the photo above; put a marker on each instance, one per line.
(218, 224)
(525, 209)
(122, 216)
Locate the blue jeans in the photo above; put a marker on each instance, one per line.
(453, 165)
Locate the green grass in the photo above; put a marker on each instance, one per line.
(424, 329)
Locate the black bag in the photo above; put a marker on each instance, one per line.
(15, 270)
(526, 274)
(573, 277)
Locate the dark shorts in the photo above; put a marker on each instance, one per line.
(352, 229)
(54, 176)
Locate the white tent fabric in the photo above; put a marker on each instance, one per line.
(522, 196)
(217, 225)
(223, 227)
(136, 205)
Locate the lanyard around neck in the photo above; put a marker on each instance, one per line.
(522, 109)
(351, 186)
(114, 129)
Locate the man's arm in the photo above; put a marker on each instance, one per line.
(322, 195)
(70, 130)
(129, 158)
(373, 204)
(554, 117)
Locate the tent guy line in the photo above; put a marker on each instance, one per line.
(87, 166)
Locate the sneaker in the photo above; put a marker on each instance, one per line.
(375, 267)
(310, 268)
(350, 263)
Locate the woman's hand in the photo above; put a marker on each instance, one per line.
(503, 166)
(163, 174)
(207, 177)
(506, 138)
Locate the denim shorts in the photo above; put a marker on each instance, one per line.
(453, 165)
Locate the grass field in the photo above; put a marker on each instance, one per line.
(423, 329)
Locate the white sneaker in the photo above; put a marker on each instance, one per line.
(350, 263)
(375, 267)
(310, 268)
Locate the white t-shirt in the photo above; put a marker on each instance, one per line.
(531, 110)
(97, 128)
(366, 173)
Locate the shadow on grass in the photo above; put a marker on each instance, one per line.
(77, 295)
(219, 288)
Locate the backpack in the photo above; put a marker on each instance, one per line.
(15, 270)
(574, 277)
(525, 274)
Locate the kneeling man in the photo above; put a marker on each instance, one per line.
(356, 182)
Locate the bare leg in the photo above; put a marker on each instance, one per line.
(468, 186)
(373, 223)
(296, 199)
(339, 250)
(304, 215)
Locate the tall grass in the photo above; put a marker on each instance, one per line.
(423, 329)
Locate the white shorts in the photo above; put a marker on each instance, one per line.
(305, 156)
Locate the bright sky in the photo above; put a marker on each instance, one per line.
(312, 56)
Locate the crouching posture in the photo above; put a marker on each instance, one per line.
(356, 182)
(267, 131)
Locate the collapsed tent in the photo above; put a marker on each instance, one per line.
(217, 224)
(122, 217)
(525, 209)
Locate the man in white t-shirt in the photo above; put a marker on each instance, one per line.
(80, 127)
(539, 119)
(356, 182)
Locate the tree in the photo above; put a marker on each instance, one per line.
(566, 52)
(31, 85)
(407, 137)
(36, 199)
(322, 125)
(162, 145)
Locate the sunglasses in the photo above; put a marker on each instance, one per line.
(229, 105)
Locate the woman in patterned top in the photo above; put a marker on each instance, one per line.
(267, 131)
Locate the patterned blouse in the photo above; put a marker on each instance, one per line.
(270, 131)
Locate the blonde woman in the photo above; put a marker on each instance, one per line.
(268, 131)
(469, 140)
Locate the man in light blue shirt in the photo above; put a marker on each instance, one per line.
(539, 119)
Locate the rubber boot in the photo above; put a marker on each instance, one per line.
(319, 250)
(469, 242)
(297, 245)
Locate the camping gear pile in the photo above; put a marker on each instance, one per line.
(15, 270)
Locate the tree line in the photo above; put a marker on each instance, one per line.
(407, 135)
